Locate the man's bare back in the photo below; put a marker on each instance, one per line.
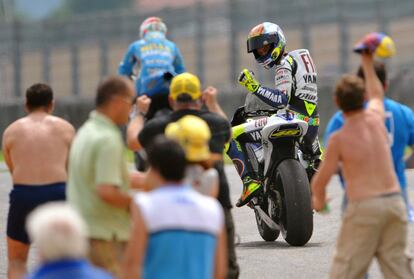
(36, 148)
(374, 222)
(361, 146)
(365, 156)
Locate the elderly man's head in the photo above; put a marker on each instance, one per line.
(114, 98)
(58, 232)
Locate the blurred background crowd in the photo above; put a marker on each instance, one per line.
(72, 44)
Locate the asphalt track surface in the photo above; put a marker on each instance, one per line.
(258, 259)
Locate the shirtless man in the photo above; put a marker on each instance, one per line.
(375, 222)
(36, 150)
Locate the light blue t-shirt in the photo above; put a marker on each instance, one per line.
(149, 58)
(400, 126)
(183, 228)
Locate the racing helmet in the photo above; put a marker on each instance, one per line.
(152, 24)
(263, 35)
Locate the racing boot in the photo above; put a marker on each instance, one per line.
(250, 189)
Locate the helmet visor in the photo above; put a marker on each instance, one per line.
(261, 41)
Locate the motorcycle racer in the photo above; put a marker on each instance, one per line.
(295, 91)
(154, 60)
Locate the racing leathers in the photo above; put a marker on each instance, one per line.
(153, 60)
(295, 90)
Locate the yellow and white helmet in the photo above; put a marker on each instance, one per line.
(267, 35)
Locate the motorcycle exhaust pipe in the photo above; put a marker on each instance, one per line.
(269, 222)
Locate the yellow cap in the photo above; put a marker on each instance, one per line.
(386, 48)
(185, 87)
(193, 134)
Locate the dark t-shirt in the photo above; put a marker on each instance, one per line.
(220, 134)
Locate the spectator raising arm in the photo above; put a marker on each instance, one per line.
(209, 98)
(137, 123)
(373, 87)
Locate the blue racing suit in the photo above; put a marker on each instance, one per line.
(154, 60)
(400, 126)
(148, 59)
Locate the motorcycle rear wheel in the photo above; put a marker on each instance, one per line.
(296, 220)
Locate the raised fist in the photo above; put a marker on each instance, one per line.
(246, 78)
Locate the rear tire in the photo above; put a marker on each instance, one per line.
(297, 216)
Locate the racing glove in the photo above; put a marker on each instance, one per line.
(247, 79)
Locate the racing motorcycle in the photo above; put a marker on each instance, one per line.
(284, 204)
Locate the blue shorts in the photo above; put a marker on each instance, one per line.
(23, 199)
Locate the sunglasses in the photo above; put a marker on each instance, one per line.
(129, 101)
